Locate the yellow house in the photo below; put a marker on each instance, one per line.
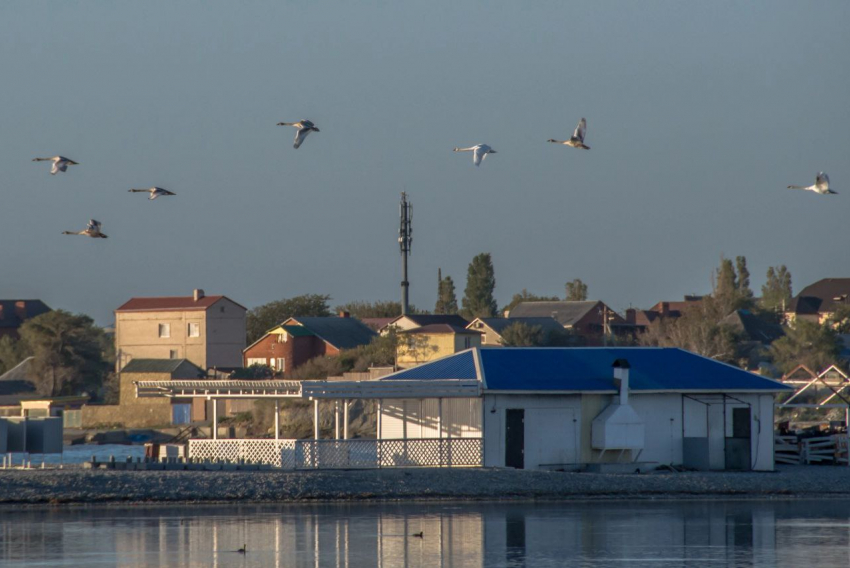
(429, 342)
(209, 331)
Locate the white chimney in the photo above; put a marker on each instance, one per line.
(621, 373)
(199, 293)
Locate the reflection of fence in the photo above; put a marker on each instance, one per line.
(334, 454)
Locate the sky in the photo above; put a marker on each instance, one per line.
(699, 115)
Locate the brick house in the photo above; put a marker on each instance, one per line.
(13, 313)
(289, 345)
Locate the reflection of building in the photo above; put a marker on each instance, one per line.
(760, 534)
(209, 331)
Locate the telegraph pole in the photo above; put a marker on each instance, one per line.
(405, 240)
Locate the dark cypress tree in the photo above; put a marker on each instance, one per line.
(478, 300)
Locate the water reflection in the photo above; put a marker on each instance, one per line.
(682, 533)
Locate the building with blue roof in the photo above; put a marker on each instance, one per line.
(573, 408)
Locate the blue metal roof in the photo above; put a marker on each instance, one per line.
(589, 369)
(458, 366)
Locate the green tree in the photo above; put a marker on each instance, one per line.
(446, 299)
(478, 300)
(262, 318)
(743, 277)
(526, 296)
(697, 330)
(776, 292)
(519, 334)
(731, 287)
(840, 320)
(378, 309)
(68, 353)
(576, 290)
(12, 352)
(806, 343)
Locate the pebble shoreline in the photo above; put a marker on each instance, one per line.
(77, 486)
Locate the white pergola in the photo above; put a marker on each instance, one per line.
(338, 391)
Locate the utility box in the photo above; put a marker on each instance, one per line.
(41, 435)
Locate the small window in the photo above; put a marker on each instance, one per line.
(172, 354)
(467, 342)
(165, 330)
(281, 364)
(256, 361)
(221, 309)
(194, 329)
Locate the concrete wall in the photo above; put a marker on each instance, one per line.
(136, 416)
(225, 334)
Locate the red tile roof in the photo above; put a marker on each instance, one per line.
(181, 303)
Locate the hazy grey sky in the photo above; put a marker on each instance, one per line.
(699, 115)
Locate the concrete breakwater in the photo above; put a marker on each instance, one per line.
(80, 486)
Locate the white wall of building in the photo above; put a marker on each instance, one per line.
(551, 428)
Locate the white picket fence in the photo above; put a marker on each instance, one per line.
(343, 454)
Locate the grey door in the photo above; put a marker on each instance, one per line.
(738, 455)
(515, 438)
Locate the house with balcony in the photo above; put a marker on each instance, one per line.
(209, 331)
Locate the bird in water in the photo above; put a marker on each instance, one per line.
(60, 163)
(479, 152)
(304, 127)
(577, 139)
(92, 230)
(154, 192)
(821, 185)
(418, 535)
(243, 550)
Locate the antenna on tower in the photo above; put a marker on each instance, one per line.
(405, 240)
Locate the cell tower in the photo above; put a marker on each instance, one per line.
(405, 240)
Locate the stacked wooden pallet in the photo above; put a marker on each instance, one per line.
(786, 449)
(819, 450)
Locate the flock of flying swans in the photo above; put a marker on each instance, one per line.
(305, 127)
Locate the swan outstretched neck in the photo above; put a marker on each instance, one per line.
(304, 127)
(60, 163)
(820, 186)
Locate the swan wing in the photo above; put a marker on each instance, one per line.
(822, 181)
(300, 136)
(580, 130)
(93, 225)
(478, 156)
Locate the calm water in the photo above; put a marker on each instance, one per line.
(676, 533)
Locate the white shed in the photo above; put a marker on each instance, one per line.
(574, 407)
